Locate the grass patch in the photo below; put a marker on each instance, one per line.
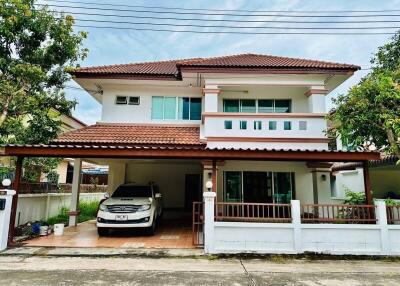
(88, 211)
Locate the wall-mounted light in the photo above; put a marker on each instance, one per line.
(323, 177)
(209, 185)
(6, 183)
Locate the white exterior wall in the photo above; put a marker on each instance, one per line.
(169, 176)
(113, 113)
(116, 175)
(33, 207)
(316, 103)
(352, 180)
(295, 237)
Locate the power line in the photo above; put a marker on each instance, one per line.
(235, 32)
(230, 10)
(218, 14)
(236, 27)
(226, 20)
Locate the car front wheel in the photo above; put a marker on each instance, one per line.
(152, 229)
(102, 231)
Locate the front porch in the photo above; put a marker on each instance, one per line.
(267, 177)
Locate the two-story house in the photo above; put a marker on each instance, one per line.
(253, 125)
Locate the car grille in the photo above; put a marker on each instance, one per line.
(111, 221)
(122, 208)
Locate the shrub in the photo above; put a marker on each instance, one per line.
(354, 198)
(88, 211)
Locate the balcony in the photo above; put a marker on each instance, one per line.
(277, 130)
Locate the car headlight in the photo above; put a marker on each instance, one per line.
(144, 208)
(103, 208)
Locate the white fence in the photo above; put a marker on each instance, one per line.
(33, 207)
(295, 237)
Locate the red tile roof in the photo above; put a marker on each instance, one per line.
(172, 68)
(133, 134)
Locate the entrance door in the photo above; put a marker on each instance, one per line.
(192, 190)
(257, 187)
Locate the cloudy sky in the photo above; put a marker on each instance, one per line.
(112, 46)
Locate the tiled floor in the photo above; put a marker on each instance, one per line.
(169, 234)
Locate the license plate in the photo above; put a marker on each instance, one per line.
(121, 217)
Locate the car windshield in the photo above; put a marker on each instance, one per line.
(132, 192)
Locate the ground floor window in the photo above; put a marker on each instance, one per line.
(258, 187)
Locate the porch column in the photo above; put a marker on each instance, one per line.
(214, 176)
(211, 99)
(76, 183)
(316, 99)
(367, 184)
(16, 187)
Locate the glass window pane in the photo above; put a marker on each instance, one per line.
(228, 124)
(233, 186)
(282, 187)
(243, 125)
(231, 105)
(169, 107)
(265, 106)
(283, 106)
(195, 108)
(157, 107)
(120, 100)
(257, 125)
(272, 125)
(287, 125)
(248, 105)
(183, 108)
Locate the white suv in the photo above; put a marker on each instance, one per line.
(130, 206)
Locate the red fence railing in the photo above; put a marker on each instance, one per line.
(198, 224)
(252, 212)
(328, 213)
(393, 214)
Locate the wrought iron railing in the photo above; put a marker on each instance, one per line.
(393, 214)
(198, 224)
(252, 212)
(329, 213)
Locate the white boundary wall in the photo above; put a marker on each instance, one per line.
(296, 238)
(33, 207)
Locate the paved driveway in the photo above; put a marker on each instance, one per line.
(39, 270)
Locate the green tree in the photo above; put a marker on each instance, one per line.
(369, 114)
(38, 48)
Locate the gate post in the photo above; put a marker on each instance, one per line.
(6, 197)
(209, 221)
(381, 216)
(296, 222)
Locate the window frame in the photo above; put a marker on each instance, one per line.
(177, 109)
(121, 103)
(257, 104)
(243, 124)
(226, 123)
(134, 103)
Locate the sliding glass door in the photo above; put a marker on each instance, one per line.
(258, 187)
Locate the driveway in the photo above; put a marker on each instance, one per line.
(41, 270)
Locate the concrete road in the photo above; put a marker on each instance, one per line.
(39, 270)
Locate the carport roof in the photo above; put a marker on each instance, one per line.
(183, 152)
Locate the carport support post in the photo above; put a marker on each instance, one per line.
(16, 187)
(367, 184)
(76, 183)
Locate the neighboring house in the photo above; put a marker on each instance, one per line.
(250, 128)
(68, 123)
(384, 176)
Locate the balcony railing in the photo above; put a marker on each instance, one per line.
(253, 212)
(327, 213)
(308, 126)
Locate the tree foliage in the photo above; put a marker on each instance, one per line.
(37, 49)
(369, 114)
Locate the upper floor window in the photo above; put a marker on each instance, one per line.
(171, 108)
(134, 100)
(260, 105)
(121, 100)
